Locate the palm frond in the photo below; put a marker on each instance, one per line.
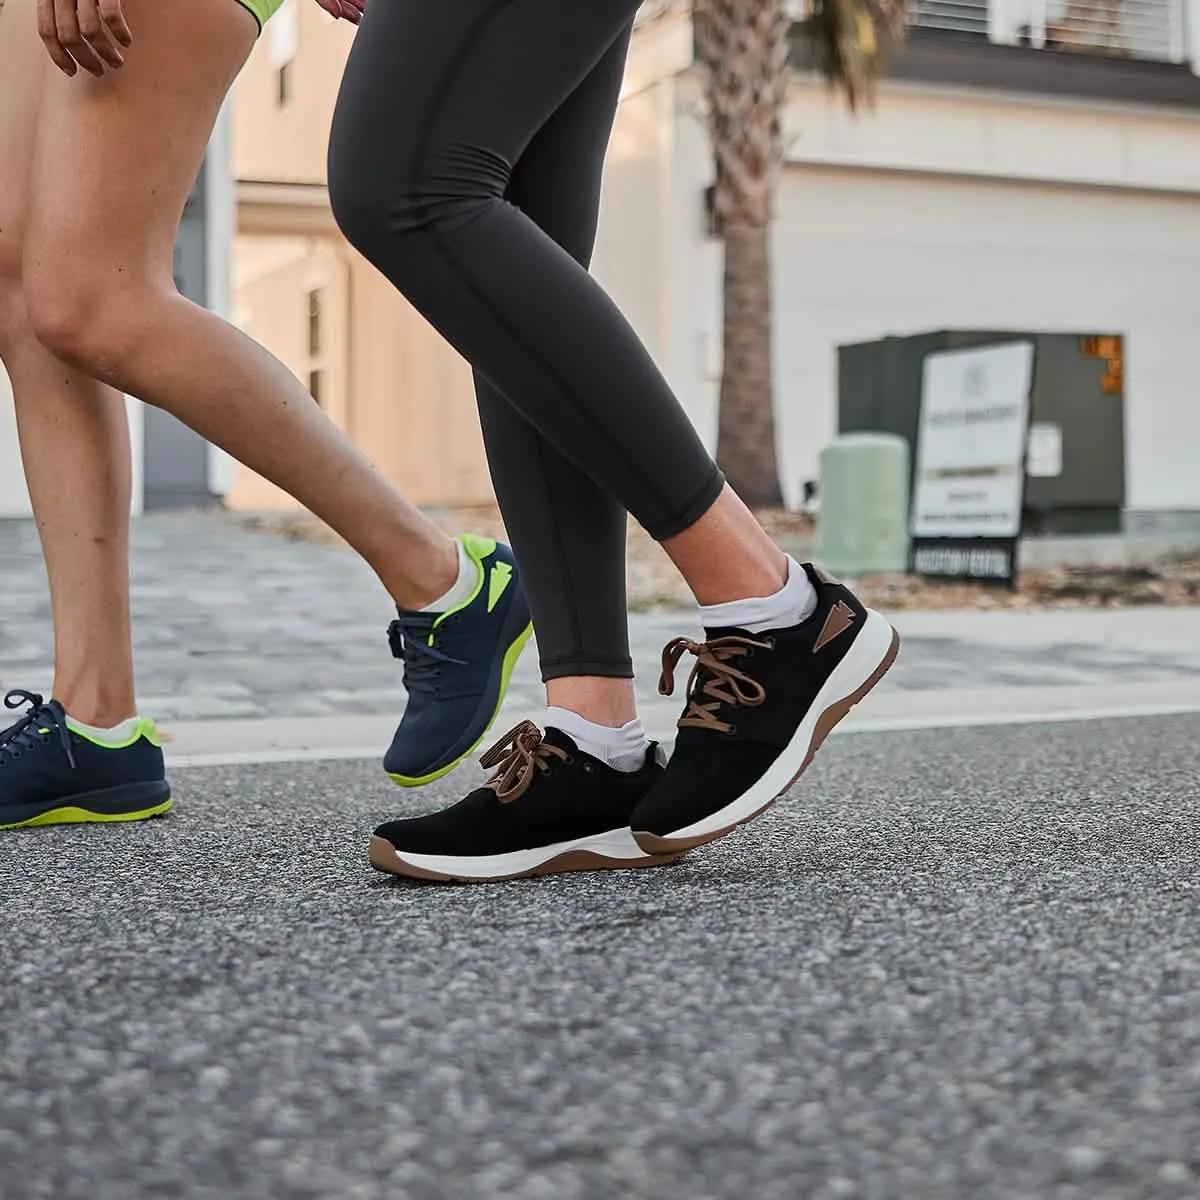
(851, 38)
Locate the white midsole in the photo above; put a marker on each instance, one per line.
(864, 658)
(617, 844)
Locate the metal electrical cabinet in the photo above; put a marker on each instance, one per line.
(1078, 401)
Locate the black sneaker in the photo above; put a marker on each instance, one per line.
(759, 707)
(52, 773)
(549, 808)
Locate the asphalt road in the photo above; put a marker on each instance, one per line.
(955, 964)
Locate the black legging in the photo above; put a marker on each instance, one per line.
(465, 163)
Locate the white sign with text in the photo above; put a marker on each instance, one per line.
(971, 442)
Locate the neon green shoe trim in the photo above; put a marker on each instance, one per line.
(501, 576)
(477, 548)
(512, 655)
(145, 728)
(80, 816)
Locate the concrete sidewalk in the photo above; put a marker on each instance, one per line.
(252, 644)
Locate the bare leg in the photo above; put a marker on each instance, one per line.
(120, 154)
(727, 555)
(74, 439)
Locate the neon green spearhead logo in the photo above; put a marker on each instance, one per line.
(498, 583)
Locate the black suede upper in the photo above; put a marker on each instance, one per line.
(573, 798)
(710, 769)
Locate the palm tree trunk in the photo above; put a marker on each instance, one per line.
(746, 427)
(743, 45)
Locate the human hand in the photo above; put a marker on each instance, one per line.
(84, 33)
(346, 10)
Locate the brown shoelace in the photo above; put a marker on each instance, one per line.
(516, 756)
(722, 683)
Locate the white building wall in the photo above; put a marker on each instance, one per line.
(632, 258)
(945, 210)
(861, 256)
(14, 495)
(14, 498)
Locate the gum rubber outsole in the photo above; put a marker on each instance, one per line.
(829, 720)
(384, 858)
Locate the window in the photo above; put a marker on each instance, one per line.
(315, 298)
(316, 338)
(1152, 30)
(284, 36)
(284, 83)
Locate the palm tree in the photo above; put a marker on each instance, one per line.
(745, 46)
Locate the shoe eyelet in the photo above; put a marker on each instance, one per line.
(770, 643)
(570, 760)
(731, 731)
(587, 766)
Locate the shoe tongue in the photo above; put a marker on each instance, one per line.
(413, 618)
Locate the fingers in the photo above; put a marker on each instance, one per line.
(346, 10)
(48, 32)
(113, 17)
(77, 34)
(70, 37)
(95, 36)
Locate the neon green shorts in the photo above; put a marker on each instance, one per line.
(263, 10)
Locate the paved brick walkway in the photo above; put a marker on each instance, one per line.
(234, 624)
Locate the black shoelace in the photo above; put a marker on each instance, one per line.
(40, 723)
(409, 638)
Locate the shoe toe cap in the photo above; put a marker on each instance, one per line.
(412, 834)
(432, 738)
(700, 782)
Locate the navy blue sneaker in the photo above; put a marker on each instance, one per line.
(53, 774)
(457, 667)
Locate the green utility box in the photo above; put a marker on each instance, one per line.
(864, 487)
(1075, 468)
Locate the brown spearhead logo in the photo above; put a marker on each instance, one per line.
(841, 617)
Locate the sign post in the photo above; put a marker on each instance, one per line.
(969, 487)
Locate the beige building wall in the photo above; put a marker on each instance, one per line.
(287, 141)
(386, 378)
(383, 375)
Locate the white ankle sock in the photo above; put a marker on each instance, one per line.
(464, 585)
(796, 601)
(118, 735)
(623, 749)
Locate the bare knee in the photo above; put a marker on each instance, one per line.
(14, 319)
(90, 315)
(394, 220)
